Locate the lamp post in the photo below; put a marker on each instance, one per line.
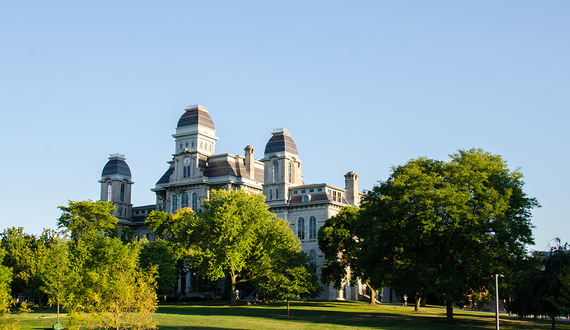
(497, 298)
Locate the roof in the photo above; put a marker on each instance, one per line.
(281, 141)
(196, 115)
(116, 165)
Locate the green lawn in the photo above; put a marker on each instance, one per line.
(312, 315)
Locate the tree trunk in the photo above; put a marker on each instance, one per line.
(233, 281)
(372, 295)
(287, 308)
(553, 322)
(449, 310)
(58, 312)
(417, 303)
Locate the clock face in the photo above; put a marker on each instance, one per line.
(186, 161)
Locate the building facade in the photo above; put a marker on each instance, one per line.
(195, 169)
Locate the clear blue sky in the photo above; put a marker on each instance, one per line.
(362, 85)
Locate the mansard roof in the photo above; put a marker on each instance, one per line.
(196, 115)
(281, 141)
(116, 166)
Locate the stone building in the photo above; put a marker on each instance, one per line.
(195, 169)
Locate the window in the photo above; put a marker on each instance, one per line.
(320, 189)
(303, 191)
(290, 173)
(109, 192)
(313, 255)
(311, 190)
(174, 203)
(163, 205)
(276, 193)
(184, 201)
(306, 198)
(122, 193)
(194, 201)
(301, 228)
(270, 194)
(312, 228)
(275, 171)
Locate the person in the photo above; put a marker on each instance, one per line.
(405, 300)
(237, 294)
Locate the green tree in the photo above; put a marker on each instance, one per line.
(115, 292)
(88, 219)
(19, 256)
(59, 275)
(5, 297)
(340, 246)
(291, 274)
(234, 237)
(445, 227)
(159, 253)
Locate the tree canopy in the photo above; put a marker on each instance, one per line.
(235, 235)
(445, 227)
(88, 218)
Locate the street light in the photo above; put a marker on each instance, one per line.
(496, 276)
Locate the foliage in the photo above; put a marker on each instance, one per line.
(290, 275)
(445, 227)
(545, 290)
(340, 246)
(5, 297)
(115, 292)
(18, 257)
(160, 254)
(234, 235)
(88, 219)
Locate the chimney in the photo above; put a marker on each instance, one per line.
(250, 162)
(351, 186)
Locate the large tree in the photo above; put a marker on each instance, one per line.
(340, 246)
(234, 237)
(445, 227)
(160, 254)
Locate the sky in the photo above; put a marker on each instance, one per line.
(361, 85)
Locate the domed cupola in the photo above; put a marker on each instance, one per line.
(116, 166)
(195, 132)
(196, 115)
(281, 141)
(116, 186)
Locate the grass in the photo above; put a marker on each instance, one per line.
(312, 315)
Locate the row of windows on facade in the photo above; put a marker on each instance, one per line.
(183, 202)
(110, 193)
(312, 228)
(275, 171)
(203, 145)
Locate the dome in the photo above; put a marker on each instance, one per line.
(196, 115)
(116, 166)
(281, 141)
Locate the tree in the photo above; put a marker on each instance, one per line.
(59, 276)
(5, 297)
(115, 292)
(340, 246)
(446, 227)
(18, 248)
(235, 236)
(545, 290)
(159, 253)
(290, 275)
(88, 219)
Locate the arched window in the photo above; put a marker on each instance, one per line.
(276, 193)
(194, 201)
(109, 192)
(174, 203)
(312, 228)
(301, 228)
(290, 173)
(270, 194)
(313, 256)
(164, 205)
(122, 198)
(184, 201)
(275, 171)
(305, 198)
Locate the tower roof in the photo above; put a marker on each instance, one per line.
(116, 166)
(281, 141)
(196, 115)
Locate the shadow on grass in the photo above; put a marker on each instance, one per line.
(349, 314)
